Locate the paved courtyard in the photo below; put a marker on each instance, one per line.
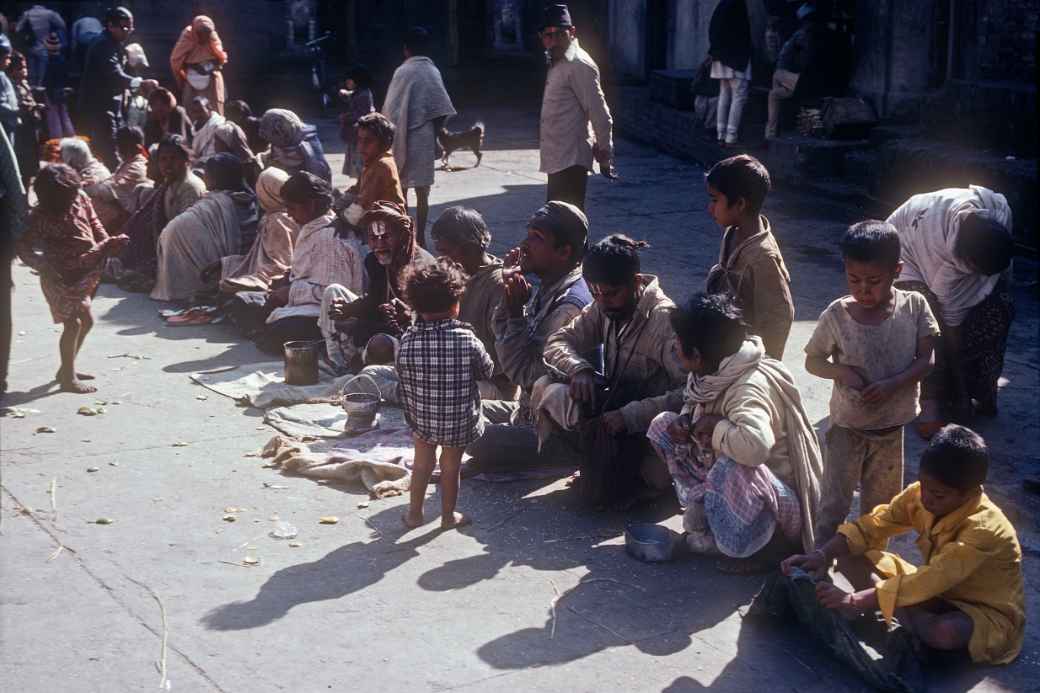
(361, 605)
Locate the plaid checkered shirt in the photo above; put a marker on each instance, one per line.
(438, 365)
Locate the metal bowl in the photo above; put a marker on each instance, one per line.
(648, 542)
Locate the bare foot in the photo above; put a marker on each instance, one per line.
(76, 387)
(412, 521)
(455, 521)
(79, 376)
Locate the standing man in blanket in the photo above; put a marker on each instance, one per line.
(417, 104)
(573, 99)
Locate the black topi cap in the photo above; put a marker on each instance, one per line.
(557, 15)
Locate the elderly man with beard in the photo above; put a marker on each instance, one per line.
(641, 376)
(573, 99)
(348, 322)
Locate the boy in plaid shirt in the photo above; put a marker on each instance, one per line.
(439, 364)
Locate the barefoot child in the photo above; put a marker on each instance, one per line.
(750, 268)
(876, 344)
(439, 364)
(969, 594)
(74, 246)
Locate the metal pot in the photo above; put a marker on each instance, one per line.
(301, 362)
(649, 542)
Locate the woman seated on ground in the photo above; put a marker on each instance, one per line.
(76, 153)
(221, 223)
(326, 251)
(294, 144)
(177, 189)
(743, 454)
(349, 322)
(272, 251)
(956, 250)
(116, 198)
(165, 118)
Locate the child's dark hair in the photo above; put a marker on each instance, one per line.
(380, 126)
(174, 143)
(361, 75)
(417, 40)
(129, 136)
(18, 62)
(56, 187)
(162, 94)
(238, 111)
(985, 242)
(613, 261)
(957, 457)
(711, 326)
(434, 287)
(871, 241)
(741, 176)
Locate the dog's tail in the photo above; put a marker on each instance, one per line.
(479, 127)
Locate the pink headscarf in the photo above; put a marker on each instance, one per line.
(188, 51)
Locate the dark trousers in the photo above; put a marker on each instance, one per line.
(101, 129)
(6, 326)
(569, 185)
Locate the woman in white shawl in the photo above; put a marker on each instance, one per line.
(743, 454)
(956, 250)
(272, 251)
(209, 230)
(294, 144)
(76, 153)
(417, 104)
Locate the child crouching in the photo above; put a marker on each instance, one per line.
(439, 364)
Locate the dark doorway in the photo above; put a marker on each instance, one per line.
(656, 36)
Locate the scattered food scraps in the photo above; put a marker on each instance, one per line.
(363, 504)
(135, 357)
(295, 544)
(251, 454)
(229, 518)
(93, 469)
(268, 484)
(113, 464)
(233, 509)
(251, 560)
(45, 429)
(90, 411)
(102, 521)
(201, 398)
(328, 520)
(284, 530)
(181, 444)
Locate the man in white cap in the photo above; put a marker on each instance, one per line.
(573, 99)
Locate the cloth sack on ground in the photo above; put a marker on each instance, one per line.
(263, 385)
(381, 470)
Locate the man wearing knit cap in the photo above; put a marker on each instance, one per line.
(557, 235)
(573, 99)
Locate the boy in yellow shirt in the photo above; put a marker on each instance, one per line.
(969, 594)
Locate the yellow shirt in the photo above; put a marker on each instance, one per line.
(972, 560)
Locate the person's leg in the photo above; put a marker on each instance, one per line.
(451, 468)
(339, 347)
(422, 468)
(882, 475)
(984, 343)
(722, 111)
(86, 322)
(736, 108)
(935, 387)
(568, 185)
(498, 411)
(949, 629)
(104, 148)
(6, 325)
(422, 211)
(843, 464)
(68, 344)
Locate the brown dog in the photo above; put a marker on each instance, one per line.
(449, 142)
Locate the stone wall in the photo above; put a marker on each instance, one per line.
(1005, 40)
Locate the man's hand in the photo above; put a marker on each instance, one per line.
(606, 162)
(614, 422)
(115, 244)
(849, 377)
(679, 429)
(338, 309)
(583, 387)
(518, 292)
(278, 297)
(513, 257)
(704, 429)
(832, 597)
(880, 391)
(809, 562)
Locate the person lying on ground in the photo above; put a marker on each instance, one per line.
(325, 252)
(378, 179)
(177, 189)
(557, 234)
(956, 250)
(750, 265)
(221, 223)
(295, 145)
(439, 365)
(349, 321)
(461, 235)
(743, 454)
(876, 344)
(271, 255)
(73, 246)
(76, 153)
(613, 403)
(969, 594)
(117, 197)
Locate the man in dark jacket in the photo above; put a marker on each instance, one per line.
(103, 83)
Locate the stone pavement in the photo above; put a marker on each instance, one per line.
(360, 605)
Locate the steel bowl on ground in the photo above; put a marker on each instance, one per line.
(648, 542)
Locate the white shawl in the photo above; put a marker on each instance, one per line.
(415, 97)
(205, 142)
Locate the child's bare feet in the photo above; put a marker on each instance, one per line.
(79, 376)
(76, 386)
(411, 521)
(455, 520)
